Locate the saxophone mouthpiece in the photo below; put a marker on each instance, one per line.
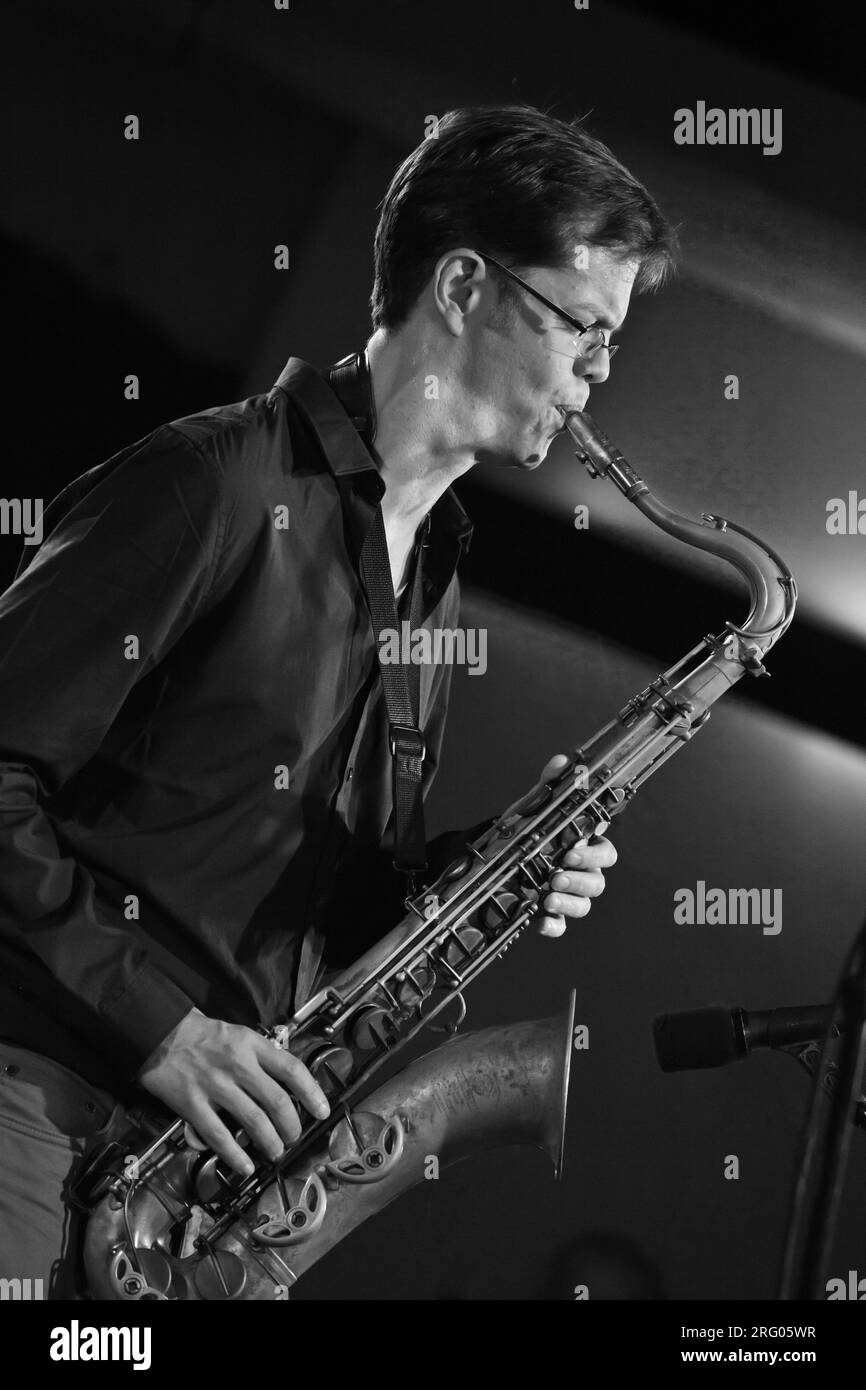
(599, 456)
(583, 429)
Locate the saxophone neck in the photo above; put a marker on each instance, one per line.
(772, 587)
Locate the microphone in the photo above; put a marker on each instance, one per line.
(716, 1036)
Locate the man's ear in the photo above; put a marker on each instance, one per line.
(460, 287)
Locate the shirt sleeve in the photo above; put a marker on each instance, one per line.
(125, 569)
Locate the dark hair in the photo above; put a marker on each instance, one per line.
(517, 183)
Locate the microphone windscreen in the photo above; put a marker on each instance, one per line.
(701, 1038)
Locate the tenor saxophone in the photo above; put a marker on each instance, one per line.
(168, 1222)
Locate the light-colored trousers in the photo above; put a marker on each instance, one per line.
(51, 1119)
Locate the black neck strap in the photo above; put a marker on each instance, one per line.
(350, 381)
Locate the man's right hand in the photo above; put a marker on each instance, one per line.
(204, 1066)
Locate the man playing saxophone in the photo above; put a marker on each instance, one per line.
(195, 762)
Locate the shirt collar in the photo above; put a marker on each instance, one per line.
(345, 451)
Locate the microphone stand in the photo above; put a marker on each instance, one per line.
(808, 1054)
(813, 1215)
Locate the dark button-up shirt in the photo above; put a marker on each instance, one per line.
(194, 770)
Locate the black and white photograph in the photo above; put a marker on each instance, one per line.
(432, 656)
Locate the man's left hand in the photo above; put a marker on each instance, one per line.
(580, 876)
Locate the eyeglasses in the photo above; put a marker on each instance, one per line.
(589, 340)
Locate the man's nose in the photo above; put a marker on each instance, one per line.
(594, 369)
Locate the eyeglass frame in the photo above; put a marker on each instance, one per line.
(583, 329)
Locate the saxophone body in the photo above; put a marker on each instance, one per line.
(167, 1223)
(480, 1090)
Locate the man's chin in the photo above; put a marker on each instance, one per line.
(536, 459)
(510, 459)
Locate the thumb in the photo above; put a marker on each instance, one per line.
(556, 764)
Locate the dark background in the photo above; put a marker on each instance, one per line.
(156, 258)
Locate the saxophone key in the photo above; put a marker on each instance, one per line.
(332, 1067)
(414, 983)
(372, 1029)
(364, 1148)
(303, 1203)
(220, 1275)
(498, 910)
(463, 944)
(457, 868)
